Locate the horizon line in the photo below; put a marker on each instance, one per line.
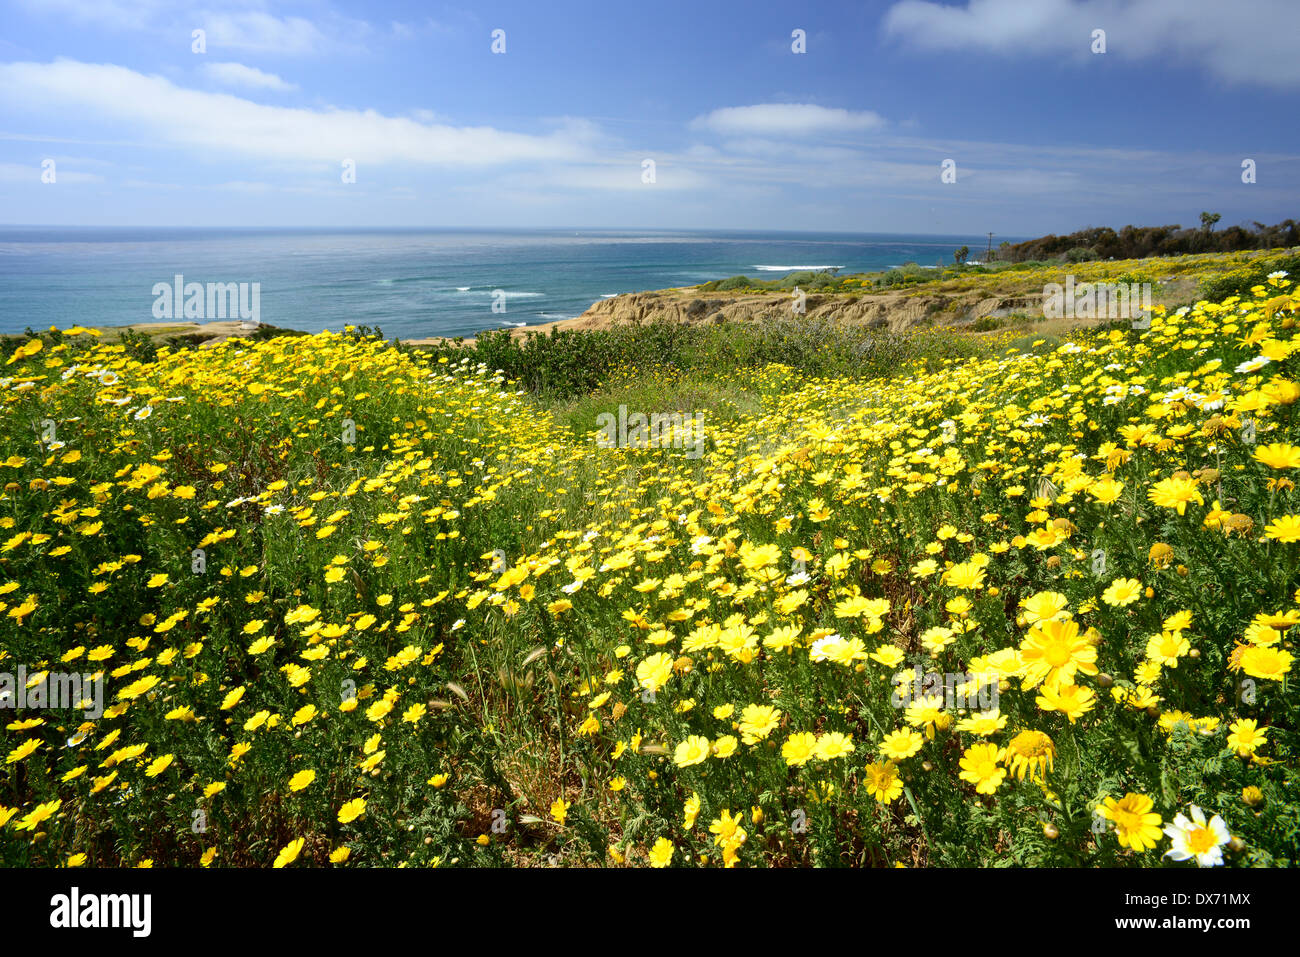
(620, 229)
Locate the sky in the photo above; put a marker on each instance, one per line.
(823, 116)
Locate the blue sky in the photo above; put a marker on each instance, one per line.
(744, 133)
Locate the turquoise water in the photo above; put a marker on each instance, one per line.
(411, 283)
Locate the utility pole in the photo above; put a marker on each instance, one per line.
(989, 252)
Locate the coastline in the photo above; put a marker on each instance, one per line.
(958, 302)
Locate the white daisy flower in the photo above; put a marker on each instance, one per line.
(1197, 839)
(816, 650)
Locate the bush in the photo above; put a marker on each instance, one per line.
(565, 363)
(1238, 282)
(735, 282)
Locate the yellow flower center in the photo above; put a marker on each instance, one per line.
(1057, 654)
(1200, 840)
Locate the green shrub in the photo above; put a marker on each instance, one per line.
(1238, 282)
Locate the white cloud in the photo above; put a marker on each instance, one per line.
(622, 176)
(221, 123)
(239, 25)
(786, 119)
(259, 32)
(1245, 41)
(810, 152)
(31, 174)
(237, 74)
(120, 14)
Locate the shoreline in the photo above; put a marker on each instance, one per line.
(954, 302)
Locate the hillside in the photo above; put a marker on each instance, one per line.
(352, 605)
(902, 300)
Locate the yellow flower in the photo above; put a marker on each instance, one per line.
(1166, 648)
(832, 745)
(883, 782)
(901, 744)
(1246, 737)
(1279, 455)
(1285, 529)
(661, 855)
(1044, 606)
(232, 698)
(966, 575)
(799, 748)
(726, 746)
(289, 853)
(1175, 492)
(1122, 591)
(1136, 826)
(694, 750)
(302, 779)
(1032, 753)
(352, 810)
(1071, 700)
(727, 830)
(691, 811)
(1270, 664)
(23, 750)
(654, 671)
(979, 766)
(757, 722)
(159, 765)
(560, 810)
(1054, 651)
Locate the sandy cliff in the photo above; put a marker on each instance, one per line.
(896, 311)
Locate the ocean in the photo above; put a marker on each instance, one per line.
(410, 283)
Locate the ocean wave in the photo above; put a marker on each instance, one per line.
(791, 268)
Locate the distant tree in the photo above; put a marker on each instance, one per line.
(1138, 242)
(959, 256)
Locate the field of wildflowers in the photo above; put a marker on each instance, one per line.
(358, 606)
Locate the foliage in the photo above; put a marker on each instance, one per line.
(360, 606)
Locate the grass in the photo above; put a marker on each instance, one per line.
(361, 605)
